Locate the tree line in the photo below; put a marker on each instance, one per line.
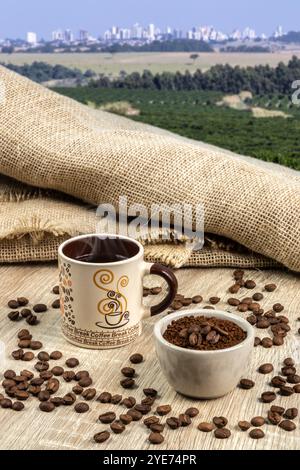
(42, 72)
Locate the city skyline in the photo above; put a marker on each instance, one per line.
(41, 18)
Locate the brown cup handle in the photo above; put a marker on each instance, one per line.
(167, 275)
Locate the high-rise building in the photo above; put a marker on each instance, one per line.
(236, 35)
(137, 31)
(68, 36)
(83, 35)
(249, 33)
(58, 35)
(278, 32)
(151, 31)
(31, 38)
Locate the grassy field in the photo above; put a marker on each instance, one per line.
(112, 64)
(196, 115)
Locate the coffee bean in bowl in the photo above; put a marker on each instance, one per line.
(203, 354)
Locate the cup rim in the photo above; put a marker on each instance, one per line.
(108, 235)
(209, 313)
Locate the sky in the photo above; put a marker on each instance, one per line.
(19, 16)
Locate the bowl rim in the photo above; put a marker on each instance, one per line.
(209, 313)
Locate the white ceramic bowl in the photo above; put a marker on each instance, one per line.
(203, 374)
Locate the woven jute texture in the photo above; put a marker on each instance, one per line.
(52, 142)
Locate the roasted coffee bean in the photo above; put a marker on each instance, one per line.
(289, 362)
(157, 427)
(274, 418)
(266, 342)
(34, 389)
(39, 308)
(183, 333)
(277, 409)
(242, 308)
(192, 412)
(205, 427)
(146, 292)
(278, 340)
(220, 421)
(270, 314)
(288, 370)
(9, 374)
(278, 381)
(125, 419)
(176, 305)
(101, 437)
(251, 319)
(8, 383)
(256, 434)
(18, 354)
(6, 403)
(18, 406)
(115, 399)
(270, 287)
(127, 383)
(244, 425)
(72, 362)
(89, 393)
(56, 303)
(129, 402)
(257, 296)
(238, 273)
(214, 300)
(212, 337)
(55, 355)
(24, 334)
(296, 388)
(57, 370)
(108, 417)
(21, 395)
(52, 386)
(77, 390)
(144, 409)
(250, 284)
(23, 386)
(25, 312)
(254, 307)
(22, 301)
(85, 381)
(117, 427)
(24, 343)
(173, 422)
(293, 379)
(233, 302)
(286, 391)
(104, 397)
(55, 290)
(257, 421)
(47, 406)
(265, 368)
(247, 300)
(68, 375)
(234, 289)
(263, 323)
(163, 410)
(32, 320)
(43, 356)
(222, 433)
(35, 345)
(156, 438)
(13, 304)
(41, 366)
(14, 315)
(57, 401)
(81, 374)
(257, 341)
(268, 397)
(278, 308)
(136, 358)
(287, 425)
(37, 381)
(81, 407)
(28, 356)
(155, 290)
(151, 420)
(193, 339)
(135, 414)
(150, 392)
(69, 399)
(184, 420)
(291, 413)
(128, 372)
(187, 301)
(197, 299)
(246, 384)
(44, 395)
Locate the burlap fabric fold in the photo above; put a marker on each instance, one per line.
(52, 142)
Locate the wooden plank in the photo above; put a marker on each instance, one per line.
(65, 429)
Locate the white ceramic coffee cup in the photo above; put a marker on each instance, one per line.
(101, 302)
(203, 374)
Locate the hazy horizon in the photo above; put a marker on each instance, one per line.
(19, 17)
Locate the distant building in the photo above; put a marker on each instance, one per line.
(249, 33)
(31, 38)
(68, 36)
(83, 35)
(151, 32)
(57, 35)
(278, 32)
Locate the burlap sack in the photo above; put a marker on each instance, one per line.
(50, 141)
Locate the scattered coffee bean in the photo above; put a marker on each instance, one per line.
(40, 308)
(55, 355)
(77, 390)
(297, 388)
(192, 412)
(205, 427)
(291, 413)
(263, 323)
(157, 427)
(41, 366)
(197, 299)
(117, 427)
(72, 362)
(136, 358)
(135, 414)
(257, 421)
(9, 374)
(57, 371)
(151, 420)
(256, 434)
(163, 410)
(56, 303)
(265, 368)
(257, 341)
(25, 312)
(55, 290)
(288, 370)
(144, 409)
(125, 419)
(266, 342)
(13, 304)
(233, 302)
(22, 301)
(18, 406)
(85, 381)
(244, 425)
(293, 379)
(251, 319)
(101, 437)
(47, 406)
(128, 372)
(278, 340)
(129, 402)
(115, 399)
(89, 393)
(14, 315)
(44, 395)
(222, 433)
(150, 392)
(220, 421)
(32, 320)
(127, 383)
(246, 384)
(268, 397)
(37, 381)
(287, 425)
(6, 403)
(52, 386)
(68, 375)
(187, 301)
(24, 343)
(289, 362)
(250, 284)
(69, 399)
(286, 391)
(273, 417)
(104, 397)
(277, 409)
(270, 287)
(278, 381)
(108, 417)
(156, 290)
(214, 300)
(242, 308)
(184, 420)
(278, 308)
(35, 345)
(156, 438)
(57, 401)
(257, 296)
(234, 289)
(173, 422)
(18, 354)
(81, 407)
(28, 356)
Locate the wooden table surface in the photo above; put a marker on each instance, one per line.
(67, 430)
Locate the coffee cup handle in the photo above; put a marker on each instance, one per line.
(168, 275)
